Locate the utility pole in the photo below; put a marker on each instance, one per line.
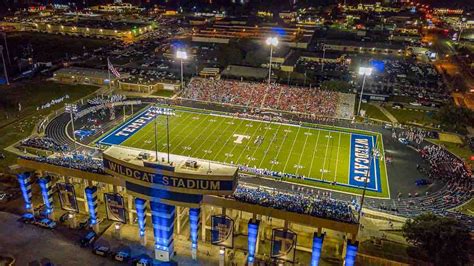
(6, 47)
(4, 65)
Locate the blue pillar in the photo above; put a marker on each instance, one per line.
(140, 206)
(317, 246)
(47, 193)
(25, 185)
(252, 239)
(91, 197)
(194, 219)
(351, 253)
(162, 216)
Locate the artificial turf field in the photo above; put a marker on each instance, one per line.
(319, 154)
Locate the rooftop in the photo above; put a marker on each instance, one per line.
(130, 155)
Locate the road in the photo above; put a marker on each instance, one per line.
(31, 245)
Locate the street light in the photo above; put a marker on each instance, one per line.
(461, 28)
(364, 72)
(182, 55)
(4, 66)
(6, 47)
(272, 42)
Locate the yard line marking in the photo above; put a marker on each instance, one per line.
(250, 141)
(302, 152)
(325, 157)
(264, 135)
(148, 134)
(337, 157)
(194, 129)
(291, 150)
(221, 134)
(225, 144)
(269, 146)
(208, 136)
(203, 131)
(235, 145)
(314, 152)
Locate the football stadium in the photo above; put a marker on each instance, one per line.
(234, 169)
(316, 155)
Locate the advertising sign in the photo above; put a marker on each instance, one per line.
(283, 245)
(67, 197)
(222, 231)
(115, 207)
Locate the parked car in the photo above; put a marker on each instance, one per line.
(403, 141)
(143, 262)
(102, 251)
(27, 218)
(122, 256)
(46, 223)
(88, 239)
(64, 218)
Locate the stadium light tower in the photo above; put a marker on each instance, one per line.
(167, 112)
(71, 109)
(182, 55)
(364, 72)
(272, 42)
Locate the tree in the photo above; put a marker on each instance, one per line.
(444, 240)
(455, 118)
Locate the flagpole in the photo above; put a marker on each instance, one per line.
(108, 71)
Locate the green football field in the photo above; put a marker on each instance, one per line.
(319, 154)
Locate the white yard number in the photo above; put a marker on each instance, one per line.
(239, 138)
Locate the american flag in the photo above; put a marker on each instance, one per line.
(112, 69)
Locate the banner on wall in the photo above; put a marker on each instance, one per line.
(283, 245)
(67, 197)
(115, 207)
(222, 231)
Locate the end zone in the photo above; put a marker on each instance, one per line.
(361, 166)
(126, 130)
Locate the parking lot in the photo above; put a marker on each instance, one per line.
(32, 245)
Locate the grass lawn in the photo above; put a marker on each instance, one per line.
(407, 116)
(31, 94)
(318, 154)
(467, 208)
(373, 112)
(57, 46)
(164, 93)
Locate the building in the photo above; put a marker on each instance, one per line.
(224, 31)
(79, 75)
(84, 27)
(164, 192)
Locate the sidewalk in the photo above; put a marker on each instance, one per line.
(389, 115)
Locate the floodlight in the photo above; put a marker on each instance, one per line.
(181, 55)
(365, 71)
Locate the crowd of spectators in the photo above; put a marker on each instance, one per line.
(301, 203)
(261, 95)
(44, 143)
(107, 99)
(414, 135)
(448, 168)
(74, 161)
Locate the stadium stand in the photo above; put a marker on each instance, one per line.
(260, 95)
